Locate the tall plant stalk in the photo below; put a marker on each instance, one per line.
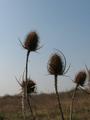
(27, 57)
(29, 103)
(26, 95)
(72, 102)
(80, 79)
(23, 103)
(58, 99)
(57, 66)
(31, 45)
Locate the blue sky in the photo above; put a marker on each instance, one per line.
(61, 24)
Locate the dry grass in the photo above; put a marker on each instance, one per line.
(46, 107)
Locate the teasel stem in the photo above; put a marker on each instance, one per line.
(72, 102)
(26, 75)
(29, 103)
(58, 98)
(23, 104)
(26, 96)
(27, 57)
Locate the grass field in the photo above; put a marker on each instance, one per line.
(45, 107)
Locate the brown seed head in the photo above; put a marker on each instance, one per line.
(56, 65)
(31, 41)
(80, 78)
(30, 86)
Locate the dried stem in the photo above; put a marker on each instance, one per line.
(29, 103)
(26, 96)
(71, 106)
(23, 105)
(27, 70)
(58, 98)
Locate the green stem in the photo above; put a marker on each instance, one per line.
(72, 102)
(58, 98)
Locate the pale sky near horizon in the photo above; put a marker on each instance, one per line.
(61, 24)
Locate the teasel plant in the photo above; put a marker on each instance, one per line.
(80, 79)
(57, 66)
(31, 44)
(31, 88)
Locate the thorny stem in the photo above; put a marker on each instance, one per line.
(26, 96)
(23, 105)
(26, 78)
(71, 106)
(58, 98)
(23, 100)
(29, 103)
(27, 66)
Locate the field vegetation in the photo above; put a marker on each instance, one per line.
(45, 106)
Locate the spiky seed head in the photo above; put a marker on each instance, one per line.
(80, 78)
(31, 85)
(56, 65)
(31, 41)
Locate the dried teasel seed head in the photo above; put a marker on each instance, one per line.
(31, 41)
(56, 65)
(80, 78)
(31, 85)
